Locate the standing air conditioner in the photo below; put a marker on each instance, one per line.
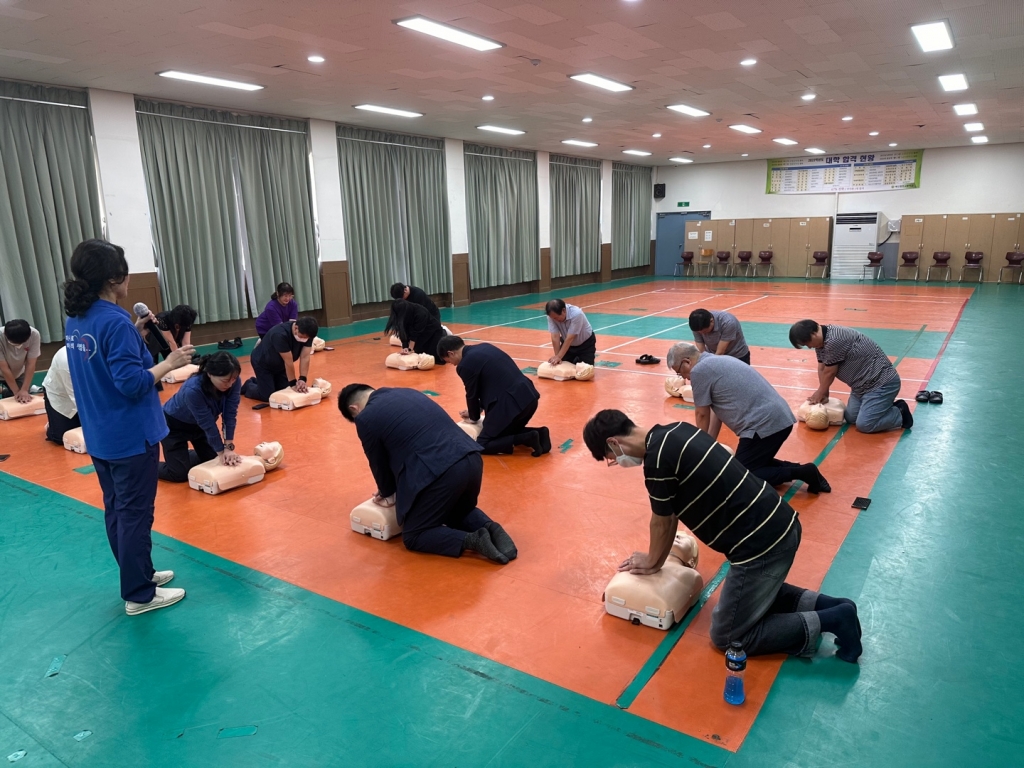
(855, 235)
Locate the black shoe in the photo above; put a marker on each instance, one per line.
(648, 360)
(545, 439)
(908, 417)
(923, 395)
(819, 484)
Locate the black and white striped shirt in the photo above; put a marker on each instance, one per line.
(862, 363)
(691, 476)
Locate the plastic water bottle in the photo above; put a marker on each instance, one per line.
(735, 664)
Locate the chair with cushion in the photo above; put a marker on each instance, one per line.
(820, 261)
(972, 260)
(743, 262)
(874, 263)
(685, 264)
(1014, 260)
(941, 261)
(706, 259)
(724, 259)
(910, 261)
(764, 259)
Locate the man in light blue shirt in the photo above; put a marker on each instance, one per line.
(572, 338)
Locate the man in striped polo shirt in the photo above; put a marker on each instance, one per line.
(693, 479)
(858, 362)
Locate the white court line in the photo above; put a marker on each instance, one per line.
(652, 314)
(835, 297)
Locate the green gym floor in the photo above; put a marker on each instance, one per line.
(258, 671)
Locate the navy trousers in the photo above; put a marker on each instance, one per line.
(266, 382)
(499, 432)
(583, 352)
(57, 423)
(129, 494)
(445, 511)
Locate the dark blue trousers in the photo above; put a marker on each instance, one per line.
(445, 511)
(129, 494)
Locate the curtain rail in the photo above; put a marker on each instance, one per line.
(574, 165)
(47, 103)
(216, 122)
(391, 144)
(502, 157)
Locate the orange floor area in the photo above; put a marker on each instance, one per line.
(573, 518)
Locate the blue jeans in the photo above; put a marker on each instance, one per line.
(759, 609)
(873, 411)
(129, 494)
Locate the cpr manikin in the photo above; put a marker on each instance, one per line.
(288, 399)
(395, 341)
(410, 362)
(566, 371)
(676, 386)
(372, 519)
(471, 429)
(178, 375)
(74, 440)
(834, 411)
(659, 599)
(318, 345)
(215, 477)
(10, 408)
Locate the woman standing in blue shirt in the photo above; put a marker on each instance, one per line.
(115, 390)
(280, 309)
(214, 390)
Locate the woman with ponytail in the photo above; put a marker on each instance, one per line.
(115, 391)
(280, 309)
(214, 390)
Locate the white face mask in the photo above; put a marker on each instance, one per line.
(626, 461)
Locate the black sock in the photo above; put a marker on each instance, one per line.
(530, 439)
(545, 439)
(816, 483)
(827, 601)
(502, 540)
(480, 541)
(904, 409)
(842, 622)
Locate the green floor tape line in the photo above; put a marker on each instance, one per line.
(234, 733)
(55, 665)
(88, 469)
(910, 346)
(653, 664)
(607, 364)
(684, 405)
(565, 446)
(431, 392)
(529, 370)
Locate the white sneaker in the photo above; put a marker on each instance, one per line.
(162, 577)
(35, 390)
(162, 599)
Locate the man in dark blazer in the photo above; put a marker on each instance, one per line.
(428, 468)
(495, 385)
(416, 296)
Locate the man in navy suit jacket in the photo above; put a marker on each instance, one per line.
(495, 385)
(426, 466)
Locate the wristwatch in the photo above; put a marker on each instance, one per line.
(229, 446)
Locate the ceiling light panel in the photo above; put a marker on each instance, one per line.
(315, 59)
(388, 110)
(638, 152)
(499, 129)
(748, 62)
(451, 34)
(933, 37)
(953, 82)
(965, 110)
(688, 110)
(809, 96)
(979, 139)
(601, 82)
(745, 129)
(204, 80)
(578, 143)
(815, 151)
(974, 127)
(786, 142)
(680, 160)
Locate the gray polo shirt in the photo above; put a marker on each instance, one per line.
(727, 328)
(576, 323)
(740, 396)
(15, 355)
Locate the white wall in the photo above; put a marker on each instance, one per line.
(323, 139)
(975, 179)
(606, 201)
(544, 199)
(122, 181)
(455, 175)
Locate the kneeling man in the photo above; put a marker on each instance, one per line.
(747, 404)
(416, 451)
(495, 385)
(690, 478)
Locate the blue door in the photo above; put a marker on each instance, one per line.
(671, 237)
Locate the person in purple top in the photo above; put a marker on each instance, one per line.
(281, 308)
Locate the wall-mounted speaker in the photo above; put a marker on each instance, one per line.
(659, 191)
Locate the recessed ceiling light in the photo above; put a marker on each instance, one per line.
(745, 128)
(655, 135)
(601, 82)
(748, 62)
(894, 144)
(687, 110)
(965, 109)
(707, 146)
(451, 34)
(848, 118)
(487, 98)
(873, 133)
(210, 81)
(815, 151)
(316, 59)
(578, 143)
(388, 110)
(639, 152)
(809, 96)
(787, 142)
(680, 160)
(499, 129)
(974, 126)
(953, 82)
(979, 139)
(588, 119)
(745, 154)
(933, 37)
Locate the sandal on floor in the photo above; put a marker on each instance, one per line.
(936, 397)
(647, 360)
(923, 396)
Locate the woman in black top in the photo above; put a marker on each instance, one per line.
(176, 327)
(418, 330)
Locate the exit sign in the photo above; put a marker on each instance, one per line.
(683, 205)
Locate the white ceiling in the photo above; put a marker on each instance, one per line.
(858, 56)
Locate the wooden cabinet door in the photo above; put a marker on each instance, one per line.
(693, 235)
(726, 236)
(799, 241)
(744, 235)
(934, 239)
(980, 239)
(762, 239)
(1006, 236)
(958, 237)
(820, 235)
(912, 236)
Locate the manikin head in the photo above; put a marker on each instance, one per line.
(702, 321)
(612, 437)
(555, 309)
(806, 333)
(682, 357)
(304, 329)
(450, 349)
(352, 400)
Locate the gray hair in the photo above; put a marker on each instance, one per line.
(679, 352)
